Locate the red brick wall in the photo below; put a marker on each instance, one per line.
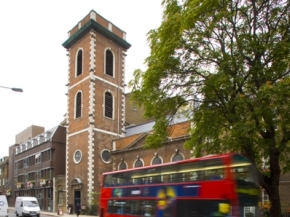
(104, 129)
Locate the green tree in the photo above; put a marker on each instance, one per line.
(232, 58)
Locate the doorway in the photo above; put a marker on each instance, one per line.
(77, 197)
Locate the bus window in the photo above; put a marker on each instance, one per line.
(193, 176)
(132, 207)
(241, 173)
(108, 181)
(177, 177)
(243, 169)
(213, 169)
(197, 208)
(214, 174)
(190, 171)
(157, 179)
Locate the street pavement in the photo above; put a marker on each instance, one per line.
(63, 214)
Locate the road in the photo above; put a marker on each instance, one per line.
(43, 214)
(12, 212)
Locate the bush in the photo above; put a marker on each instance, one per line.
(91, 210)
(93, 207)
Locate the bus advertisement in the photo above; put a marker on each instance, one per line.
(216, 185)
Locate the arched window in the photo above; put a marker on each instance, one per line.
(122, 166)
(108, 105)
(109, 63)
(78, 105)
(79, 66)
(177, 157)
(156, 160)
(138, 163)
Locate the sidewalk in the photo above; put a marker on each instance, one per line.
(55, 214)
(64, 214)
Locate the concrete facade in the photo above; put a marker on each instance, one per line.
(28, 134)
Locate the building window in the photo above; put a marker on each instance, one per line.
(60, 198)
(109, 63)
(122, 166)
(156, 160)
(134, 106)
(265, 197)
(106, 156)
(108, 105)
(38, 158)
(138, 163)
(78, 108)
(79, 65)
(177, 157)
(77, 156)
(26, 162)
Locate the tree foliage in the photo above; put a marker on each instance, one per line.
(232, 58)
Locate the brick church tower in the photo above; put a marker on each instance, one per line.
(96, 103)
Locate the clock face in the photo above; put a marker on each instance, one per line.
(77, 156)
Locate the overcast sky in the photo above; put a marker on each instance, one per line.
(32, 56)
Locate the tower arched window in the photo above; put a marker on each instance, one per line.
(108, 105)
(79, 62)
(78, 105)
(109, 63)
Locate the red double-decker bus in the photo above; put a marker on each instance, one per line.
(216, 185)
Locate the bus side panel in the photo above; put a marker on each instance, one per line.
(217, 189)
(105, 194)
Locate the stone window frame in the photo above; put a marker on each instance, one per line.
(109, 105)
(123, 162)
(79, 62)
(78, 104)
(177, 154)
(74, 156)
(101, 155)
(137, 160)
(109, 65)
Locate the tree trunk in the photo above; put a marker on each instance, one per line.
(274, 196)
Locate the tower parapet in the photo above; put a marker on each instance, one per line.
(96, 22)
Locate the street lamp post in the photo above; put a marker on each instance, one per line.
(13, 89)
